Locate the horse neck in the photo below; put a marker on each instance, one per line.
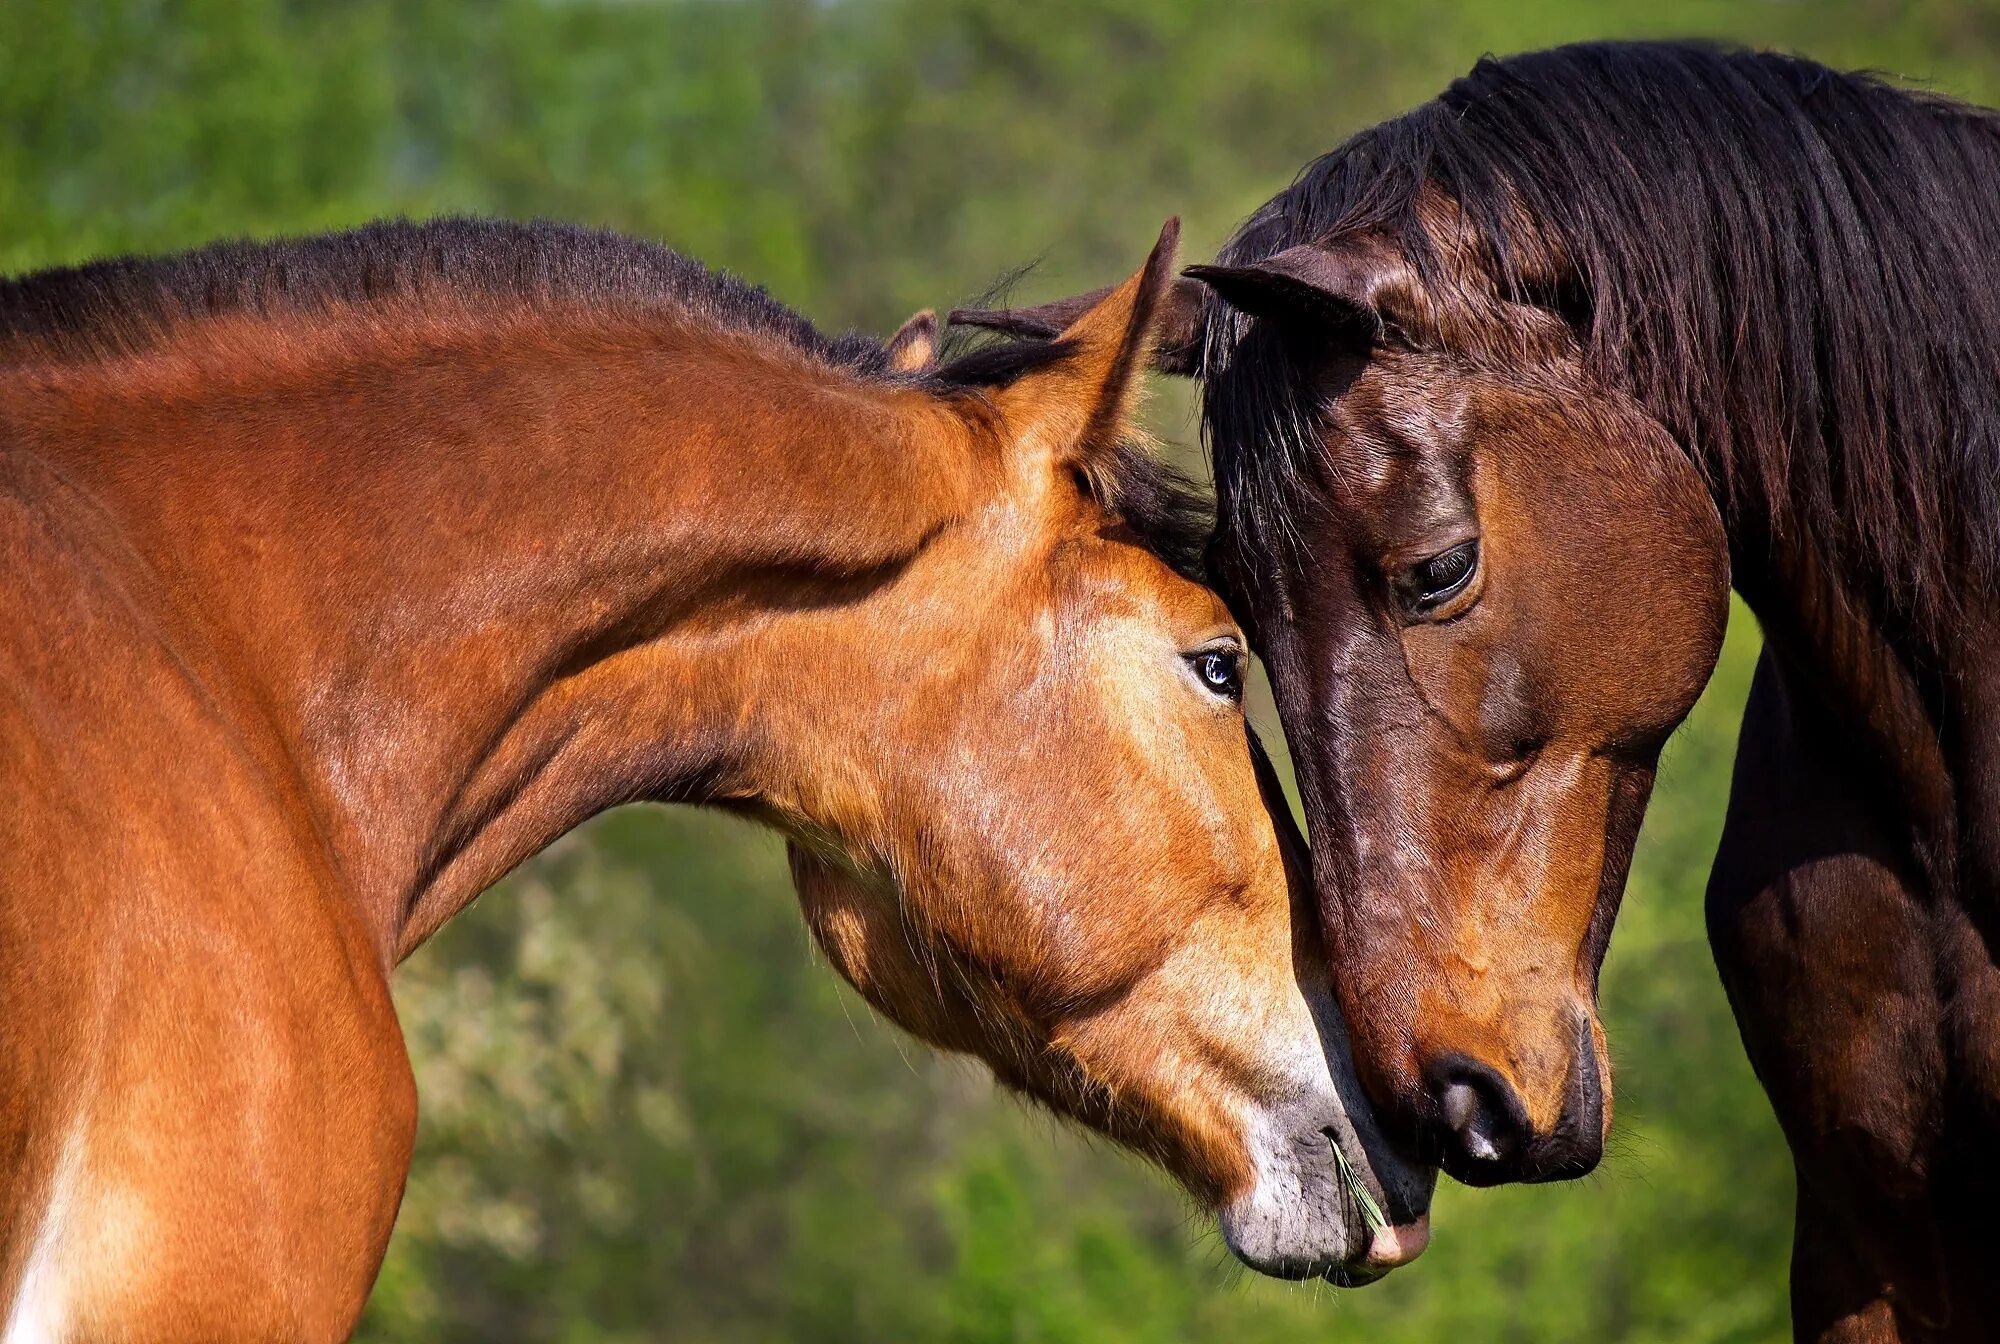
(1895, 687)
(462, 574)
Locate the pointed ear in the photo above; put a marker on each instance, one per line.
(1361, 286)
(1176, 345)
(1078, 401)
(914, 346)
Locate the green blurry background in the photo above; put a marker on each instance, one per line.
(648, 1112)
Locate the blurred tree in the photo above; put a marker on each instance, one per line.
(647, 1113)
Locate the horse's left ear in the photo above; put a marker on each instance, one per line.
(1360, 285)
(1077, 399)
(914, 346)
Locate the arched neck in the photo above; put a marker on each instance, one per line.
(467, 588)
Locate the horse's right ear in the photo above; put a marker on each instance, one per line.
(1360, 284)
(1177, 325)
(1071, 398)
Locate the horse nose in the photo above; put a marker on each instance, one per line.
(1482, 1130)
(1484, 1127)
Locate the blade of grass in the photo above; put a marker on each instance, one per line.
(1371, 1212)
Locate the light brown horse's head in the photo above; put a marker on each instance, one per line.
(1029, 823)
(1452, 539)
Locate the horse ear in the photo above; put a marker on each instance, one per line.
(1360, 284)
(914, 346)
(1176, 344)
(1078, 399)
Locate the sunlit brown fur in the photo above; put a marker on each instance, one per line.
(318, 623)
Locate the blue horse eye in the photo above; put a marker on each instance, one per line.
(1220, 671)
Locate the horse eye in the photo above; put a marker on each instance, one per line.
(1220, 671)
(1433, 582)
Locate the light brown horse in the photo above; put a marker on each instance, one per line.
(344, 574)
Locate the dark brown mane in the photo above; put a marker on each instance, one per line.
(1792, 268)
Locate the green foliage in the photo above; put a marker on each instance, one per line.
(647, 1112)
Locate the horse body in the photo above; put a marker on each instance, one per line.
(1850, 912)
(1867, 1008)
(337, 597)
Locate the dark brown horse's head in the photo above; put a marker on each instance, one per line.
(1488, 586)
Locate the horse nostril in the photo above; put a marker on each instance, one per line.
(1466, 1116)
(1484, 1124)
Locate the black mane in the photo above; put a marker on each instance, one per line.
(107, 308)
(1796, 270)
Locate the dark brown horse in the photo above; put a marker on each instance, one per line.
(1501, 394)
(343, 574)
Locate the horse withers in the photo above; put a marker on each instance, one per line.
(343, 574)
(1503, 395)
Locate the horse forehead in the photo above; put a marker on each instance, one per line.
(1412, 427)
(1105, 571)
(1400, 405)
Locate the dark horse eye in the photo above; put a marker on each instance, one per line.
(1433, 582)
(1220, 670)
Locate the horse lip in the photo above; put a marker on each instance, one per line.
(1354, 1276)
(1396, 1245)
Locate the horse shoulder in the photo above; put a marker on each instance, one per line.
(206, 1109)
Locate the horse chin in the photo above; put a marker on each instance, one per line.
(1308, 1240)
(1301, 1219)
